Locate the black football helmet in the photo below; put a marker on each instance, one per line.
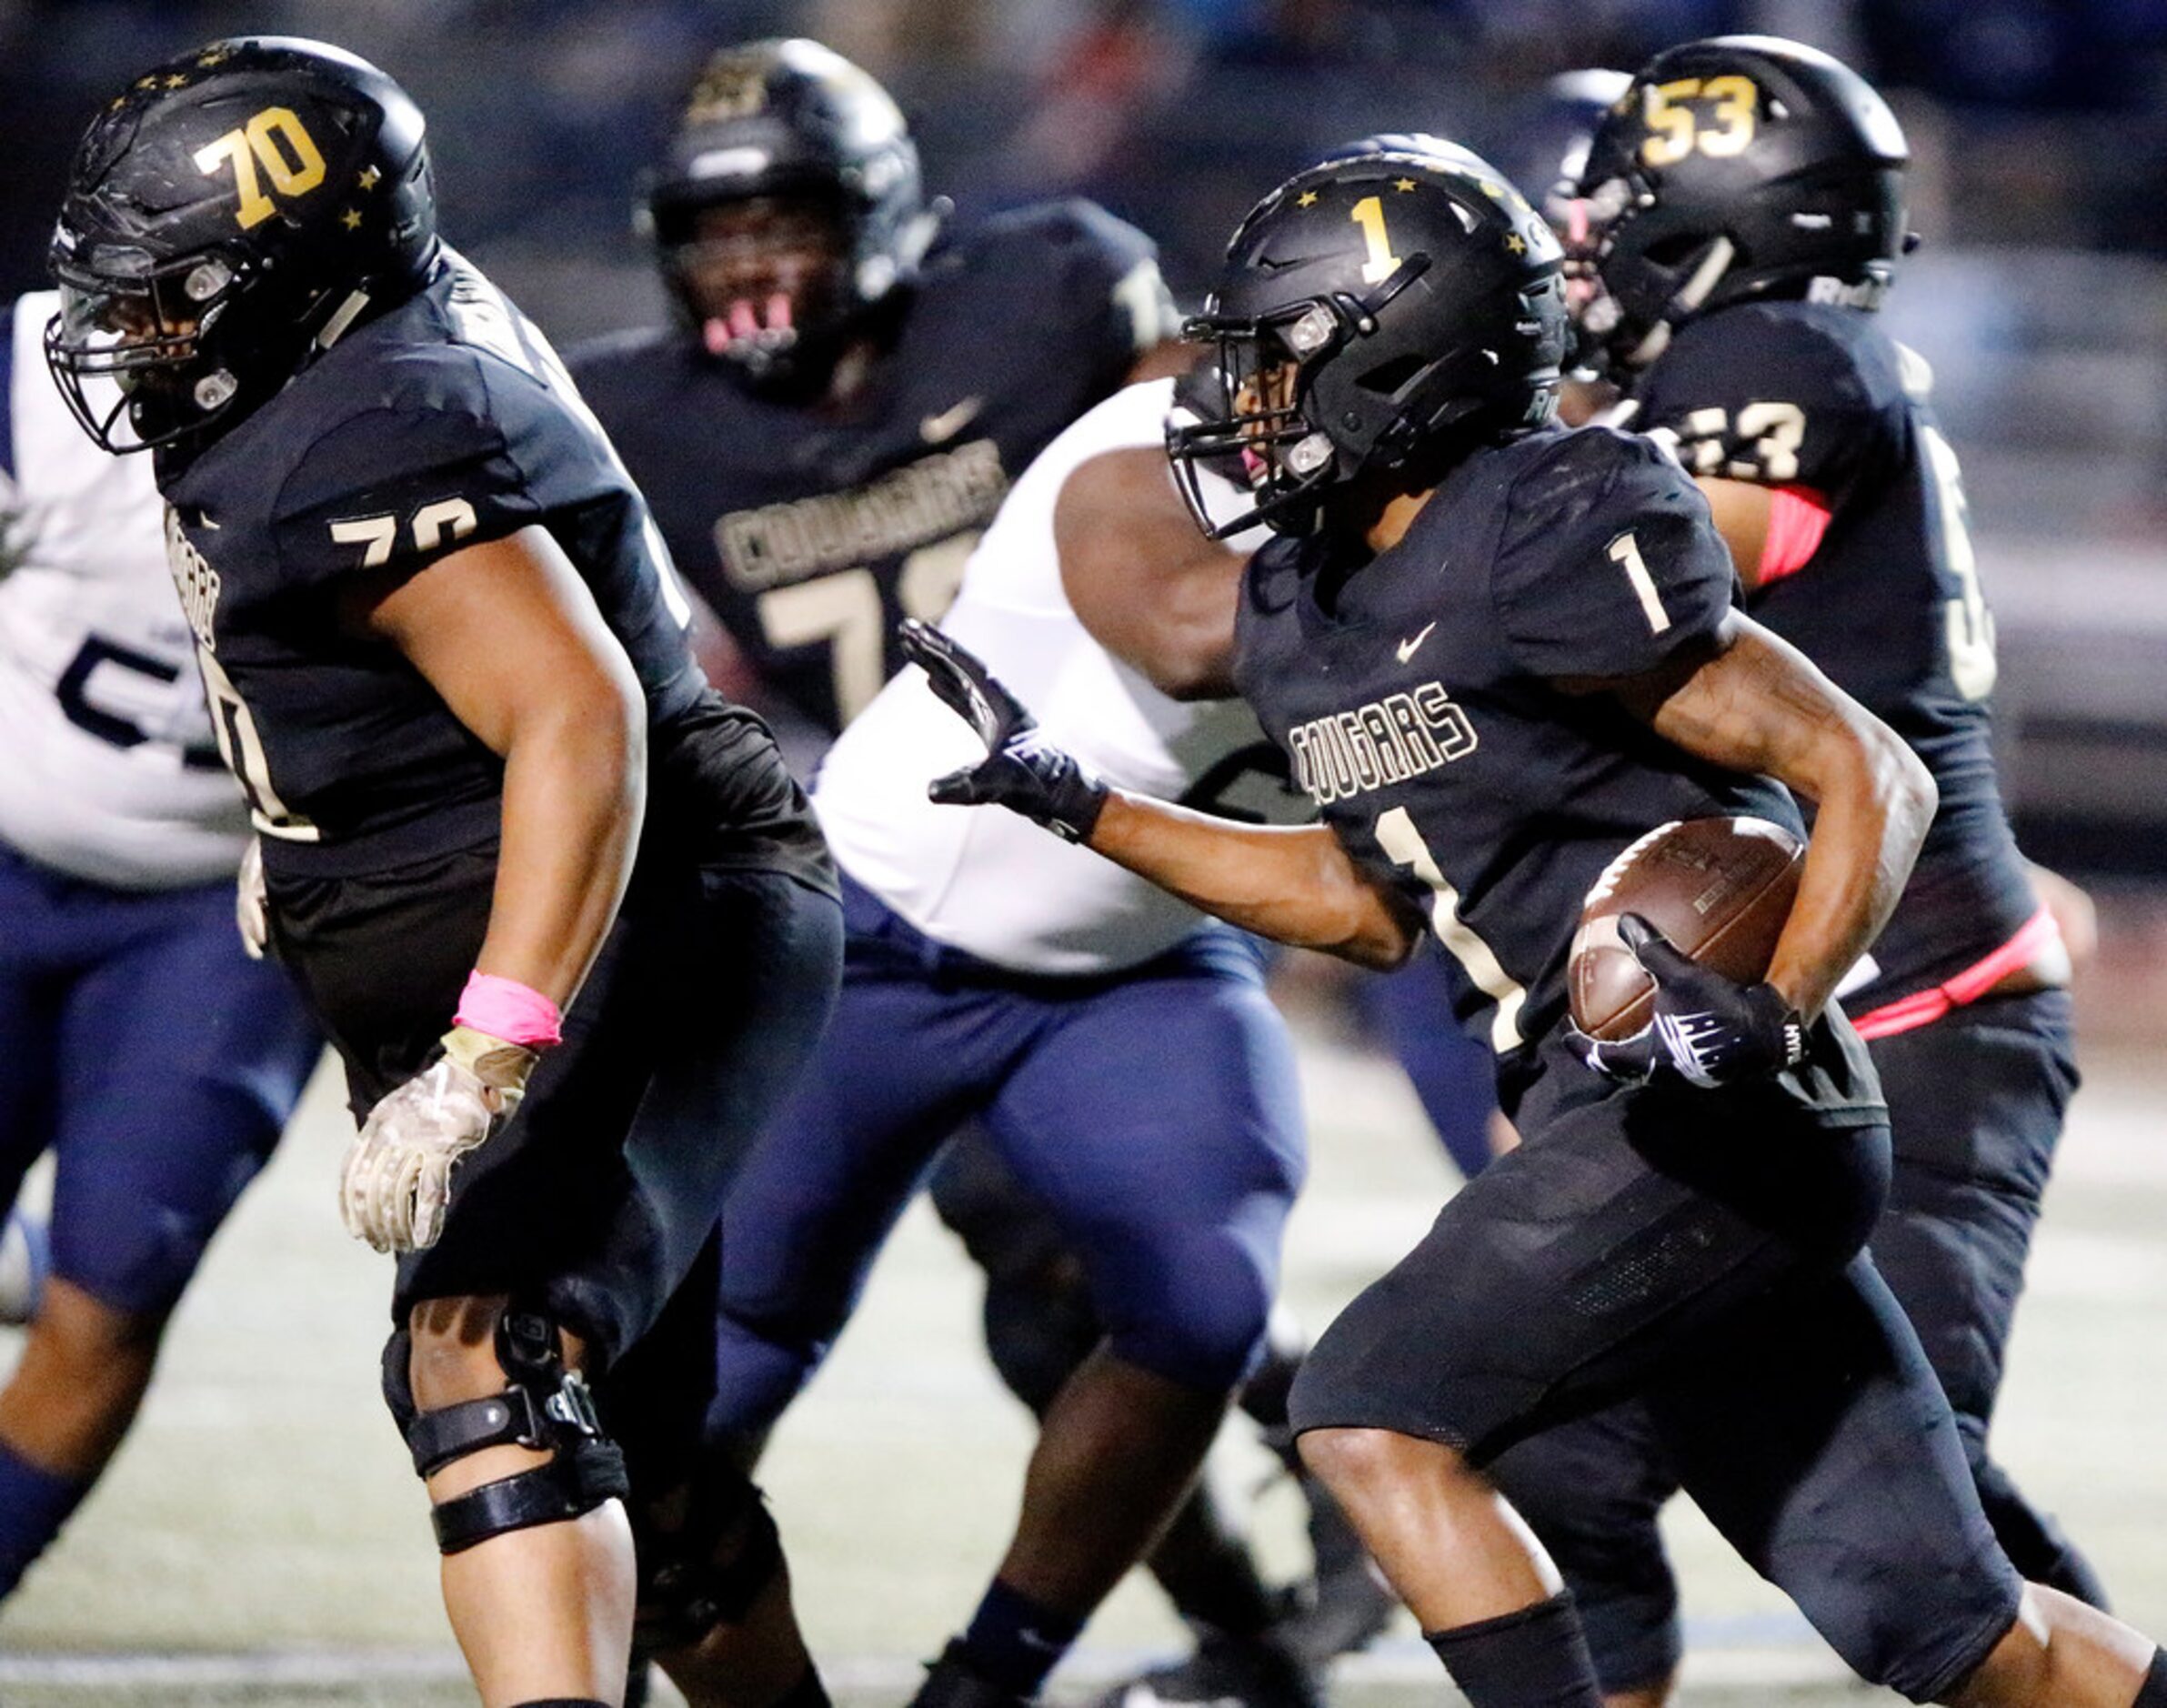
(792, 119)
(1738, 168)
(227, 215)
(1378, 315)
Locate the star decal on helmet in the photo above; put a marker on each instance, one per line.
(1307, 199)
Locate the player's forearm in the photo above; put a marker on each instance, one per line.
(1294, 885)
(1874, 800)
(575, 786)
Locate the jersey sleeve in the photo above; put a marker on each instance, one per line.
(1103, 285)
(397, 489)
(1607, 561)
(1773, 399)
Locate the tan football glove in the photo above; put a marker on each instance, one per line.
(397, 1183)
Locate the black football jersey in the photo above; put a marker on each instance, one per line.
(1818, 397)
(447, 421)
(1417, 704)
(813, 534)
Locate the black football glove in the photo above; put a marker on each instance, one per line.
(1707, 1029)
(1021, 771)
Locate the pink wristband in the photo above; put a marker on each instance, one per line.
(506, 1008)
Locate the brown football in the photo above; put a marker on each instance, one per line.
(1718, 888)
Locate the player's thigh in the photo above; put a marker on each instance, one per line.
(1162, 1110)
(34, 985)
(1976, 1102)
(1554, 1282)
(1592, 1490)
(1981, 1094)
(183, 1060)
(1813, 1433)
(739, 1001)
(902, 1061)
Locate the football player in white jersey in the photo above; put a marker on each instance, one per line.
(1117, 1048)
(143, 1048)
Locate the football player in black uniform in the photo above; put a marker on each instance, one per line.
(847, 388)
(498, 803)
(1745, 214)
(1495, 654)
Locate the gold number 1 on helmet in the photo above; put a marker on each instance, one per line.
(1369, 213)
(267, 139)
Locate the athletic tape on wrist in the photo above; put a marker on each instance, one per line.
(506, 1008)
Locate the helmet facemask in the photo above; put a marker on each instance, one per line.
(1262, 433)
(1266, 369)
(151, 331)
(766, 280)
(786, 211)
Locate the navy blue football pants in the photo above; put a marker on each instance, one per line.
(1155, 1113)
(1976, 1103)
(152, 1057)
(1454, 1074)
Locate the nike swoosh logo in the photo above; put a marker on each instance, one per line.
(1407, 648)
(203, 520)
(936, 428)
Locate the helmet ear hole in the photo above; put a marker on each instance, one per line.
(1388, 378)
(1676, 250)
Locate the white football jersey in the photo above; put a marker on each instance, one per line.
(107, 768)
(981, 879)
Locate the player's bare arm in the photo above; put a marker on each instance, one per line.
(509, 636)
(1150, 590)
(1755, 703)
(1293, 884)
(1741, 512)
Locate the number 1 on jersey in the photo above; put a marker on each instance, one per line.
(1399, 839)
(1625, 550)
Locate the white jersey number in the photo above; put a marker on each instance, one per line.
(1967, 624)
(1396, 835)
(845, 610)
(243, 751)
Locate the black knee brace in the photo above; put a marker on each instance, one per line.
(546, 1407)
(685, 1591)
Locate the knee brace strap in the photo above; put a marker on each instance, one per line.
(547, 1407)
(566, 1487)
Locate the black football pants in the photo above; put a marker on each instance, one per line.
(1976, 1102)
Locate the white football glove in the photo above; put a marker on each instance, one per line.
(252, 901)
(397, 1183)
